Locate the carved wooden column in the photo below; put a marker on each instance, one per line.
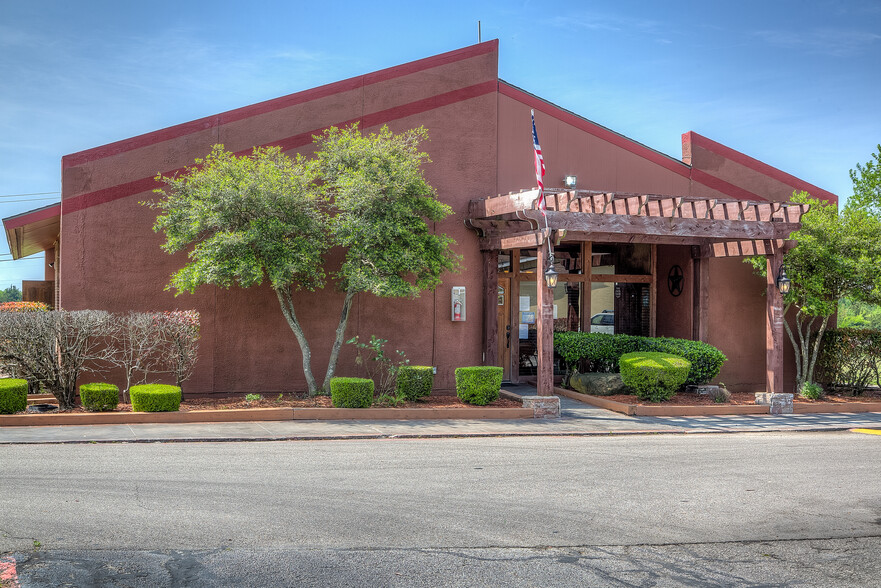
(774, 327)
(544, 326)
(490, 307)
(700, 297)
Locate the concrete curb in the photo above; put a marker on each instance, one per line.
(459, 435)
(715, 410)
(262, 414)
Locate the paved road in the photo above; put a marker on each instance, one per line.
(672, 510)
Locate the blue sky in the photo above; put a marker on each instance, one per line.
(794, 84)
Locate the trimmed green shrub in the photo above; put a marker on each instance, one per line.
(600, 352)
(13, 395)
(351, 392)
(811, 391)
(155, 398)
(652, 375)
(99, 397)
(593, 352)
(479, 384)
(705, 360)
(414, 381)
(850, 360)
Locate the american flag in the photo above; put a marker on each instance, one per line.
(539, 168)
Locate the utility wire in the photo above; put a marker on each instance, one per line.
(28, 200)
(30, 194)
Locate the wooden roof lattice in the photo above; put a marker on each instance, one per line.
(716, 227)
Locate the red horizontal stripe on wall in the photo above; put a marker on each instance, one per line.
(761, 167)
(202, 124)
(83, 201)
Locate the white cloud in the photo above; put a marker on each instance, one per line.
(834, 42)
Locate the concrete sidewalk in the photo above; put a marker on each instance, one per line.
(578, 419)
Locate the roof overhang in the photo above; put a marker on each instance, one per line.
(714, 227)
(33, 231)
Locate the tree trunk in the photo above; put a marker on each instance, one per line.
(287, 309)
(338, 341)
(809, 376)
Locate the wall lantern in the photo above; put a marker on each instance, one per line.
(784, 284)
(550, 275)
(570, 182)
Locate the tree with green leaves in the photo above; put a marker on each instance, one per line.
(10, 294)
(867, 184)
(837, 255)
(270, 217)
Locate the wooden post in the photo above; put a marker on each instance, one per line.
(490, 308)
(544, 326)
(700, 298)
(774, 328)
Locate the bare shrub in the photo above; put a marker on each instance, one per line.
(54, 347)
(179, 333)
(135, 345)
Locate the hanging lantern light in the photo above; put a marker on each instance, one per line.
(784, 284)
(551, 276)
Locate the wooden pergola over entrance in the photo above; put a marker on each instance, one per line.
(712, 227)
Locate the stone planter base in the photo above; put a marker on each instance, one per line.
(779, 403)
(543, 407)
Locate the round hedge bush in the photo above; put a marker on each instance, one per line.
(414, 381)
(13, 395)
(652, 375)
(99, 397)
(155, 398)
(478, 384)
(351, 392)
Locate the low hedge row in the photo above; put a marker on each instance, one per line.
(850, 359)
(351, 392)
(99, 397)
(155, 398)
(652, 375)
(478, 384)
(414, 381)
(13, 395)
(600, 352)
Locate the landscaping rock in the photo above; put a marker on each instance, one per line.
(543, 407)
(598, 384)
(779, 403)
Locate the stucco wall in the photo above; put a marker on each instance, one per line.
(112, 260)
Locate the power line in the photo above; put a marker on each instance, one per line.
(28, 200)
(30, 194)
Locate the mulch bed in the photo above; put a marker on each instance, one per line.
(739, 398)
(302, 401)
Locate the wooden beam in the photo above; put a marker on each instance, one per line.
(700, 299)
(503, 204)
(773, 327)
(515, 241)
(632, 238)
(544, 327)
(700, 228)
(740, 248)
(493, 227)
(626, 278)
(490, 307)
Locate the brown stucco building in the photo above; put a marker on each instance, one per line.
(652, 247)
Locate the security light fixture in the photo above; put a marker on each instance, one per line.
(570, 182)
(550, 275)
(784, 284)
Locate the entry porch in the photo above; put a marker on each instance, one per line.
(613, 254)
